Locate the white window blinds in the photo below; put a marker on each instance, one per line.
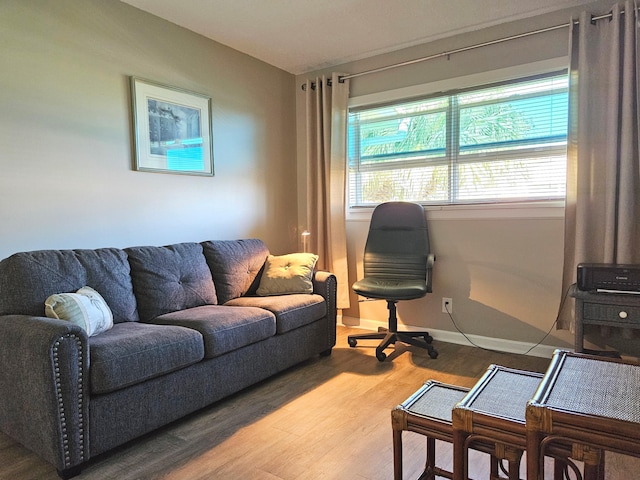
(498, 143)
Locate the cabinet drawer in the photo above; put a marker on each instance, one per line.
(611, 314)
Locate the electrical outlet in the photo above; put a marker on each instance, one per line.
(447, 305)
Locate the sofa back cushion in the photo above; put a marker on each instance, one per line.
(235, 266)
(27, 279)
(171, 278)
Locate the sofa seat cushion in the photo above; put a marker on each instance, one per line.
(171, 278)
(224, 328)
(133, 352)
(291, 311)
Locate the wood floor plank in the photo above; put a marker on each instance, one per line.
(327, 418)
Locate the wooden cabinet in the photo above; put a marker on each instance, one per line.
(605, 310)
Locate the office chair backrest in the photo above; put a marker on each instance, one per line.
(398, 242)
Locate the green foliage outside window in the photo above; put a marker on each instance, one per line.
(501, 143)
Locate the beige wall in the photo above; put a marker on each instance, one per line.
(66, 179)
(502, 270)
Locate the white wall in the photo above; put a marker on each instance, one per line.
(66, 177)
(503, 270)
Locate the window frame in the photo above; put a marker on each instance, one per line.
(516, 209)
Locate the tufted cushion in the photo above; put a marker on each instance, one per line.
(287, 274)
(130, 353)
(224, 329)
(235, 266)
(27, 279)
(171, 278)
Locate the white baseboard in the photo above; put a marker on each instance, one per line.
(490, 343)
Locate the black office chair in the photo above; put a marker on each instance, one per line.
(397, 266)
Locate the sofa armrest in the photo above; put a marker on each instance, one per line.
(44, 384)
(326, 284)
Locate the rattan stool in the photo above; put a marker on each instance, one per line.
(590, 403)
(427, 412)
(493, 413)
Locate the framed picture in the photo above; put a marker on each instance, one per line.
(172, 129)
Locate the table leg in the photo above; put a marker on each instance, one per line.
(397, 454)
(431, 458)
(495, 470)
(594, 471)
(459, 455)
(533, 455)
(558, 469)
(579, 335)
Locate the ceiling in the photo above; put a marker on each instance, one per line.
(300, 36)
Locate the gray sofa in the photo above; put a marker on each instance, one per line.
(188, 330)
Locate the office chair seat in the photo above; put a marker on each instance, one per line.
(397, 266)
(390, 289)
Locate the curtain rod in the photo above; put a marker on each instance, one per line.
(464, 49)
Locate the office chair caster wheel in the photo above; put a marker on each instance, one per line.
(428, 338)
(433, 354)
(381, 356)
(352, 342)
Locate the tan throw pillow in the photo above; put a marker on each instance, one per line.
(85, 308)
(290, 273)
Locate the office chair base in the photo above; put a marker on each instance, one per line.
(417, 339)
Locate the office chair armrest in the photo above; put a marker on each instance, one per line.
(431, 258)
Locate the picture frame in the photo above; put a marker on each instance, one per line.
(172, 129)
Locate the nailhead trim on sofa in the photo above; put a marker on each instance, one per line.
(61, 412)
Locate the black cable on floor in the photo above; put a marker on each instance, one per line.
(564, 299)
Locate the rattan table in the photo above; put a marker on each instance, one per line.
(427, 412)
(494, 412)
(590, 403)
(492, 416)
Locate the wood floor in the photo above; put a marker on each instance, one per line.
(328, 418)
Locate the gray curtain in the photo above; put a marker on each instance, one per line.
(327, 103)
(602, 214)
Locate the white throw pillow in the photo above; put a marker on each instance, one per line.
(85, 308)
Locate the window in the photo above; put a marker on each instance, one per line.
(492, 144)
